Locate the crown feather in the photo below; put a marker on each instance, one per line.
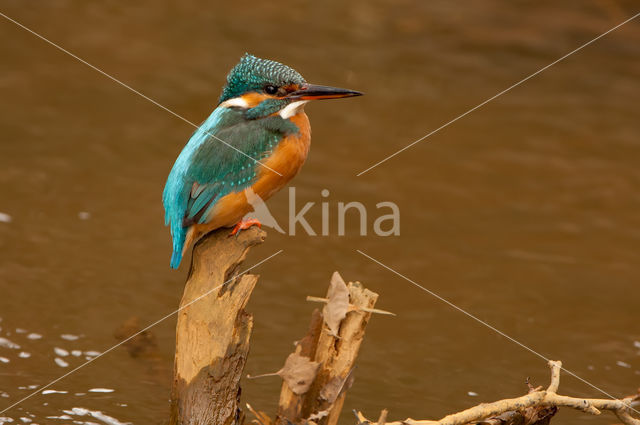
(253, 73)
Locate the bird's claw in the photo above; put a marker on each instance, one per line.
(243, 225)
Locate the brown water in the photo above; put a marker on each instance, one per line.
(525, 213)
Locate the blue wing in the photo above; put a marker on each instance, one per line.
(208, 169)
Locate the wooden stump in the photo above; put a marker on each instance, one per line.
(213, 331)
(337, 354)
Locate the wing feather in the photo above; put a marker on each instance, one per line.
(208, 169)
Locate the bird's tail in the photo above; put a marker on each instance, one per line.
(179, 236)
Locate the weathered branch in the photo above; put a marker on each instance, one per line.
(333, 341)
(212, 344)
(536, 398)
(212, 333)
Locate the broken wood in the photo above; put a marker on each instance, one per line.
(212, 334)
(333, 341)
(537, 407)
(212, 345)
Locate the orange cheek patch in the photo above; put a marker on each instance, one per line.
(291, 87)
(254, 99)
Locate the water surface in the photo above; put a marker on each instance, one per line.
(525, 212)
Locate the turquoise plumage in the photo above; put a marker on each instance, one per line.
(252, 73)
(222, 156)
(207, 169)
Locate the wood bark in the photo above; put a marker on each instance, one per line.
(323, 402)
(213, 331)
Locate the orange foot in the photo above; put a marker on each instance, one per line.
(245, 224)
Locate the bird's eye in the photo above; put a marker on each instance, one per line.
(270, 89)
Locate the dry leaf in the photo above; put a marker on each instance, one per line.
(319, 415)
(336, 309)
(330, 391)
(336, 386)
(299, 372)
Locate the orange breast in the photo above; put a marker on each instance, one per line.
(286, 159)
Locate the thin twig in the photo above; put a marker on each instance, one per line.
(351, 306)
(549, 398)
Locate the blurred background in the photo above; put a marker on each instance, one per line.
(526, 212)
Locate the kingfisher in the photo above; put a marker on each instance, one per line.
(253, 143)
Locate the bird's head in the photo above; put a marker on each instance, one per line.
(264, 87)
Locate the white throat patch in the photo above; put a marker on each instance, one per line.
(292, 109)
(287, 112)
(235, 102)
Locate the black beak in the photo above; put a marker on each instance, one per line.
(313, 92)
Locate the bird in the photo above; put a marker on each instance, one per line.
(255, 141)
